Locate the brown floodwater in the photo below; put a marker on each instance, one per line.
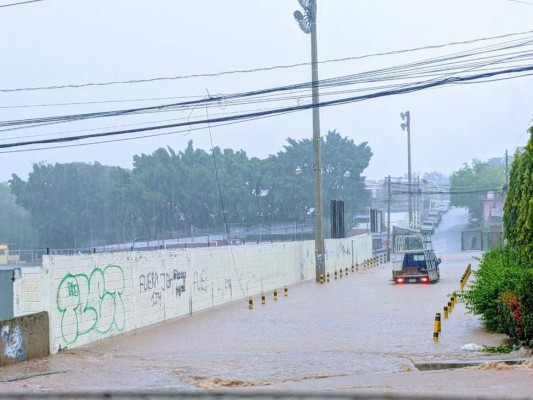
(360, 332)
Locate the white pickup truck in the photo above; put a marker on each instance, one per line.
(417, 266)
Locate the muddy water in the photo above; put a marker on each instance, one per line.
(359, 333)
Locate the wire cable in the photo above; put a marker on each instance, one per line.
(221, 199)
(406, 89)
(261, 69)
(19, 3)
(332, 82)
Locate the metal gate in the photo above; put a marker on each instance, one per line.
(479, 240)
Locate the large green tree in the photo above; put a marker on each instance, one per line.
(71, 205)
(518, 211)
(15, 229)
(169, 193)
(470, 185)
(343, 162)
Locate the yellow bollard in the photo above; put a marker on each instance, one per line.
(445, 312)
(340, 272)
(353, 268)
(263, 298)
(275, 294)
(437, 318)
(327, 277)
(450, 307)
(321, 279)
(436, 328)
(346, 271)
(335, 273)
(286, 291)
(356, 267)
(250, 302)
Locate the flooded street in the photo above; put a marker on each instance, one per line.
(360, 332)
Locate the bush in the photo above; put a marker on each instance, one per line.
(502, 294)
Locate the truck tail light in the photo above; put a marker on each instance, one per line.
(400, 280)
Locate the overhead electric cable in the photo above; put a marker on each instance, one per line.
(337, 81)
(19, 3)
(217, 74)
(185, 131)
(406, 89)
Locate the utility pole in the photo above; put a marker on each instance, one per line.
(307, 22)
(505, 189)
(418, 196)
(406, 116)
(388, 219)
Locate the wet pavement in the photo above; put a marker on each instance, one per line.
(358, 333)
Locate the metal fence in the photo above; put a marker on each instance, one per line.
(477, 239)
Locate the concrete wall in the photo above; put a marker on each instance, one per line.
(6, 294)
(29, 294)
(92, 297)
(24, 338)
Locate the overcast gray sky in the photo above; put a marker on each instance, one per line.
(62, 42)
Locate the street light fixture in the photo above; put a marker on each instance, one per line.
(307, 22)
(406, 116)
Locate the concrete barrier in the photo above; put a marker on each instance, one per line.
(24, 338)
(95, 296)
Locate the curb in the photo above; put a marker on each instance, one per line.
(435, 366)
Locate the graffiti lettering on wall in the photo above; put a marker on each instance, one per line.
(12, 340)
(199, 281)
(227, 285)
(91, 303)
(156, 283)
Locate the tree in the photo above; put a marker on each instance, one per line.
(343, 162)
(168, 193)
(15, 229)
(518, 210)
(436, 178)
(470, 185)
(70, 204)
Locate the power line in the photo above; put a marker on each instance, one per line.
(261, 69)
(186, 131)
(407, 89)
(415, 69)
(19, 3)
(521, 1)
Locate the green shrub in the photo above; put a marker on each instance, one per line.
(502, 294)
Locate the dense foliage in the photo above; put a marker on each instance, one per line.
(503, 290)
(518, 211)
(171, 194)
(502, 294)
(16, 229)
(469, 185)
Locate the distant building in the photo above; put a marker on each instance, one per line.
(493, 208)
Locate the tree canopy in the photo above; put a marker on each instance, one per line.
(518, 211)
(15, 229)
(169, 194)
(470, 185)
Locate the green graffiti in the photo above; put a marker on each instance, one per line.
(91, 303)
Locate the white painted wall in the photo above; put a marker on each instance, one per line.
(92, 297)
